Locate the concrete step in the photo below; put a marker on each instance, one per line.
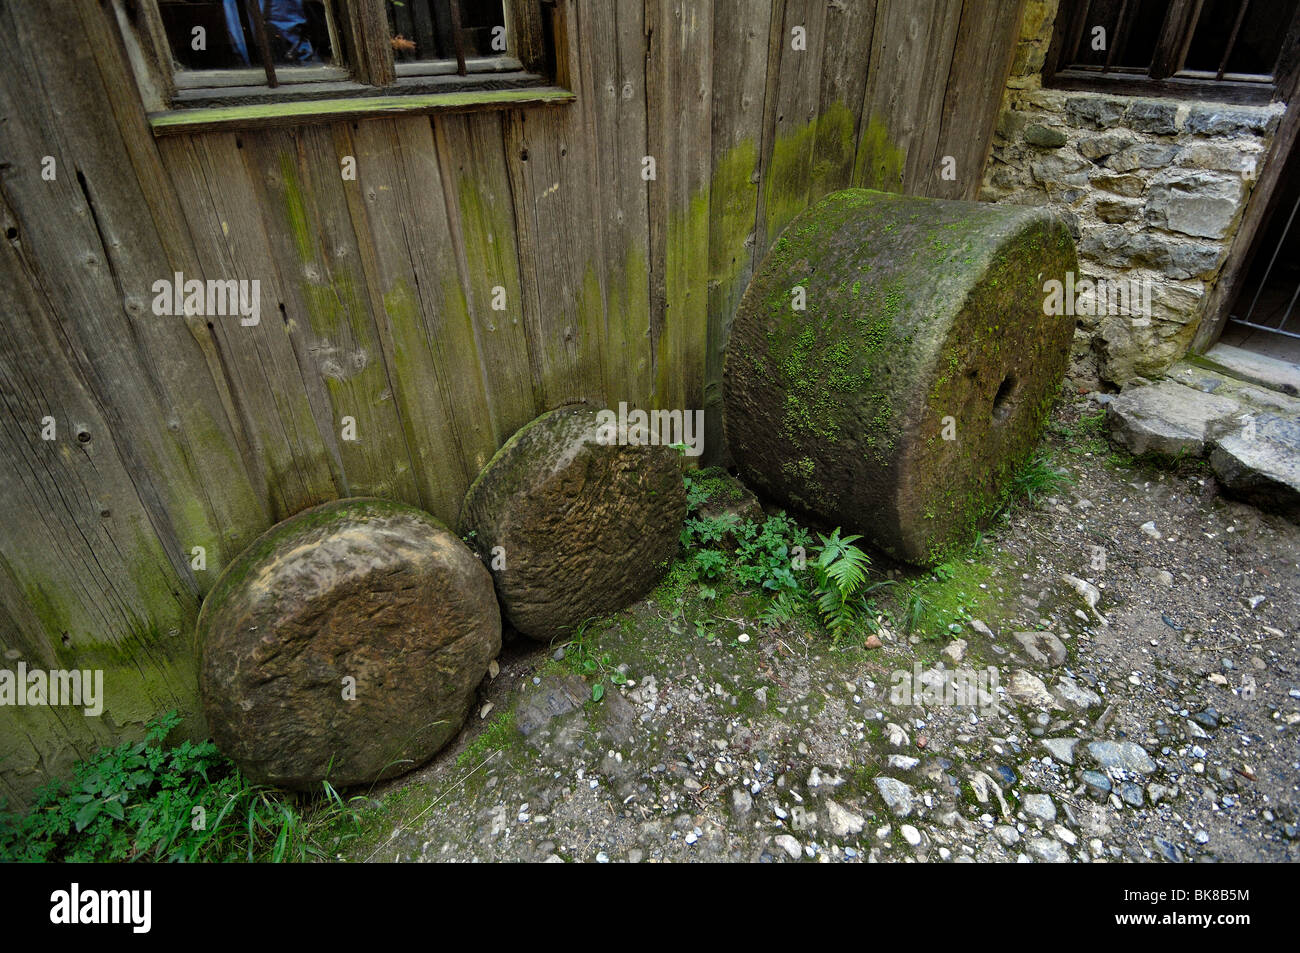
(1250, 433)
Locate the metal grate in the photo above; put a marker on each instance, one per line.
(459, 32)
(1265, 312)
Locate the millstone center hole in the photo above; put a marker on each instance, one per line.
(1002, 399)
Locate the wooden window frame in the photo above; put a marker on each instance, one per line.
(371, 82)
(1165, 76)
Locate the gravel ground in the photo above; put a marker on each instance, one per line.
(1159, 724)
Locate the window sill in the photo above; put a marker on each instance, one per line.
(1175, 87)
(348, 102)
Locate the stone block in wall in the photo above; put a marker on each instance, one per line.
(1214, 120)
(1106, 144)
(1036, 21)
(1157, 118)
(1094, 112)
(1007, 176)
(1010, 123)
(1201, 204)
(1045, 137)
(1115, 211)
(1127, 185)
(1177, 302)
(1218, 157)
(1028, 59)
(1060, 171)
(1148, 155)
(1083, 371)
(1127, 350)
(1116, 247)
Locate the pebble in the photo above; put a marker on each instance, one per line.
(1149, 528)
(1098, 784)
(1006, 834)
(1039, 806)
(1131, 794)
(1069, 691)
(789, 845)
(844, 822)
(1062, 749)
(1123, 755)
(741, 801)
(1048, 850)
(910, 834)
(897, 796)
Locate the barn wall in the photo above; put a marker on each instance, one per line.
(174, 433)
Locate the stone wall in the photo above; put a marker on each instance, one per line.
(1153, 189)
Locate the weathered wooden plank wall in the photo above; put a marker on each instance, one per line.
(378, 293)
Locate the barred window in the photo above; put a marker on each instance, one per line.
(1238, 50)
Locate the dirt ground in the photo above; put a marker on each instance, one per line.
(1166, 732)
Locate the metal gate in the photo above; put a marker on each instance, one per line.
(1273, 306)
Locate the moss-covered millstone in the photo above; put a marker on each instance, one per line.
(917, 310)
(573, 521)
(345, 644)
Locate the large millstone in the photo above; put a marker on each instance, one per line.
(365, 590)
(918, 310)
(574, 527)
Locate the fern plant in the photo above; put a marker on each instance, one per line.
(841, 575)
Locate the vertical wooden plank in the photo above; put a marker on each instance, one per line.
(986, 42)
(901, 119)
(846, 54)
(558, 219)
(612, 62)
(524, 33)
(368, 31)
(477, 185)
(278, 406)
(85, 581)
(298, 180)
(679, 87)
(87, 238)
(740, 40)
(794, 89)
(400, 215)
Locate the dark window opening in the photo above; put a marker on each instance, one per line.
(1229, 49)
(232, 34)
(452, 31)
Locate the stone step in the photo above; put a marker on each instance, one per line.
(1251, 434)
(1269, 372)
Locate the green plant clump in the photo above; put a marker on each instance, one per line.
(776, 556)
(145, 801)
